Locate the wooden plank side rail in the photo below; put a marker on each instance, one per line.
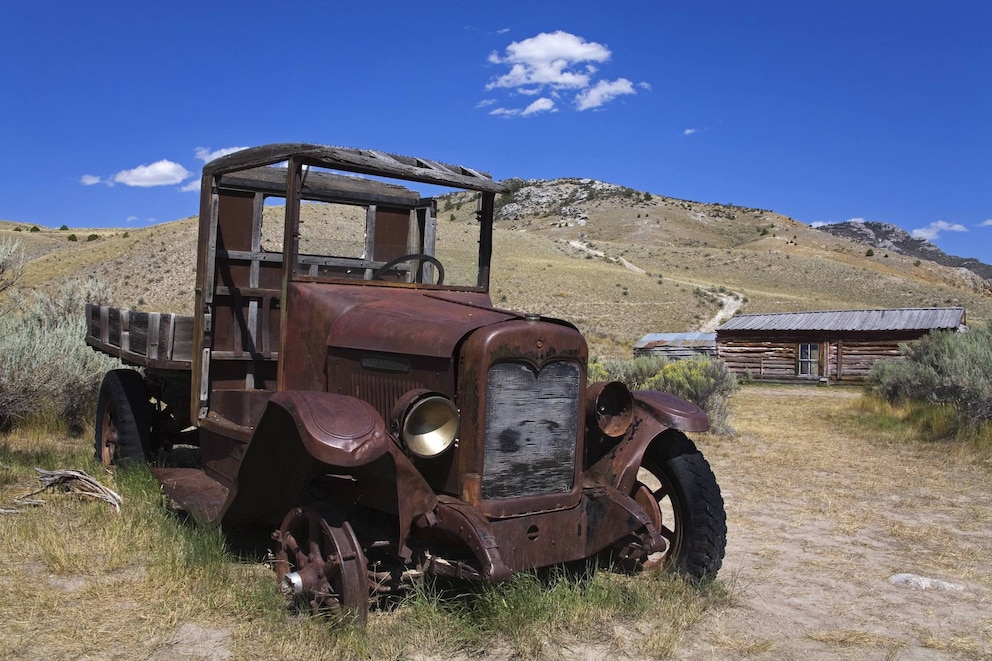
(146, 339)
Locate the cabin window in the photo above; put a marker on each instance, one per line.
(809, 359)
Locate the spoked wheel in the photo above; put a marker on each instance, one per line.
(123, 419)
(677, 489)
(320, 564)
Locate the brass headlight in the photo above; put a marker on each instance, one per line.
(429, 425)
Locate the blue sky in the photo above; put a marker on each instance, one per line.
(822, 111)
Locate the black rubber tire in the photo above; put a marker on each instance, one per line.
(123, 420)
(698, 534)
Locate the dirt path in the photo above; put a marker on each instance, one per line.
(821, 521)
(730, 301)
(731, 304)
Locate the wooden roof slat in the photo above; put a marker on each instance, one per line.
(358, 161)
(324, 186)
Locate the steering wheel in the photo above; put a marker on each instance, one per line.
(417, 256)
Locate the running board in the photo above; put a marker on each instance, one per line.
(194, 491)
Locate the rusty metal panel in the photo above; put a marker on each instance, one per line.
(392, 230)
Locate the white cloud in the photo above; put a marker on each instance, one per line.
(603, 92)
(159, 173)
(90, 180)
(502, 30)
(543, 104)
(556, 65)
(192, 187)
(644, 86)
(856, 220)
(548, 59)
(485, 103)
(131, 219)
(689, 131)
(504, 112)
(205, 155)
(932, 231)
(986, 223)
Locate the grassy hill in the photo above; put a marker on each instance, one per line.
(616, 262)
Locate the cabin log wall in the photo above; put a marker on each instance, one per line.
(842, 359)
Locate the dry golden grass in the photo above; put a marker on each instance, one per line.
(825, 501)
(81, 580)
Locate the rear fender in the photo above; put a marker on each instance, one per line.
(654, 413)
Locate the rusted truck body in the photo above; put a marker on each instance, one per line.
(346, 380)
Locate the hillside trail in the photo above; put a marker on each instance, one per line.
(730, 302)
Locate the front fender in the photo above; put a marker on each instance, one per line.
(299, 433)
(335, 429)
(654, 413)
(671, 411)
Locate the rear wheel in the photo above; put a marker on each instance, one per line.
(123, 419)
(679, 492)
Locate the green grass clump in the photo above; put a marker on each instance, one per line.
(541, 614)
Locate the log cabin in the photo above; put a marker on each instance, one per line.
(836, 346)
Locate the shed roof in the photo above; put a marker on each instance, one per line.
(850, 320)
(652, 340)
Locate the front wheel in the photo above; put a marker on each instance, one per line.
(123, 419)
(321, 565)
(679, 492)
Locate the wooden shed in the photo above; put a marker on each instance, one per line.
(676, 346)
(835, 346)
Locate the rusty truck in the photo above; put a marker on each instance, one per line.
(346, 382)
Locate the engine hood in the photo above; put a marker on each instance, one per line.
(409, 321)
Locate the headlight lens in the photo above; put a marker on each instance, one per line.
(430, 426)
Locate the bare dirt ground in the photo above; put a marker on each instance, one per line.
(822, 514)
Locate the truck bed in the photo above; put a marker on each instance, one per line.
(159, 340)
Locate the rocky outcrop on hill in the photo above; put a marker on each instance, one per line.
(559, 198)
(883, 236)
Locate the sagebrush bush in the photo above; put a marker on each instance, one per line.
(11, 265)
(701, 380)
(633, 373)
(942, 368)
(45, 365)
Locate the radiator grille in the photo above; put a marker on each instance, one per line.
(380, 391)
(531, 427)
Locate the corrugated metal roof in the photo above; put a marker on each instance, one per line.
(850, 320)
(676, 340)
